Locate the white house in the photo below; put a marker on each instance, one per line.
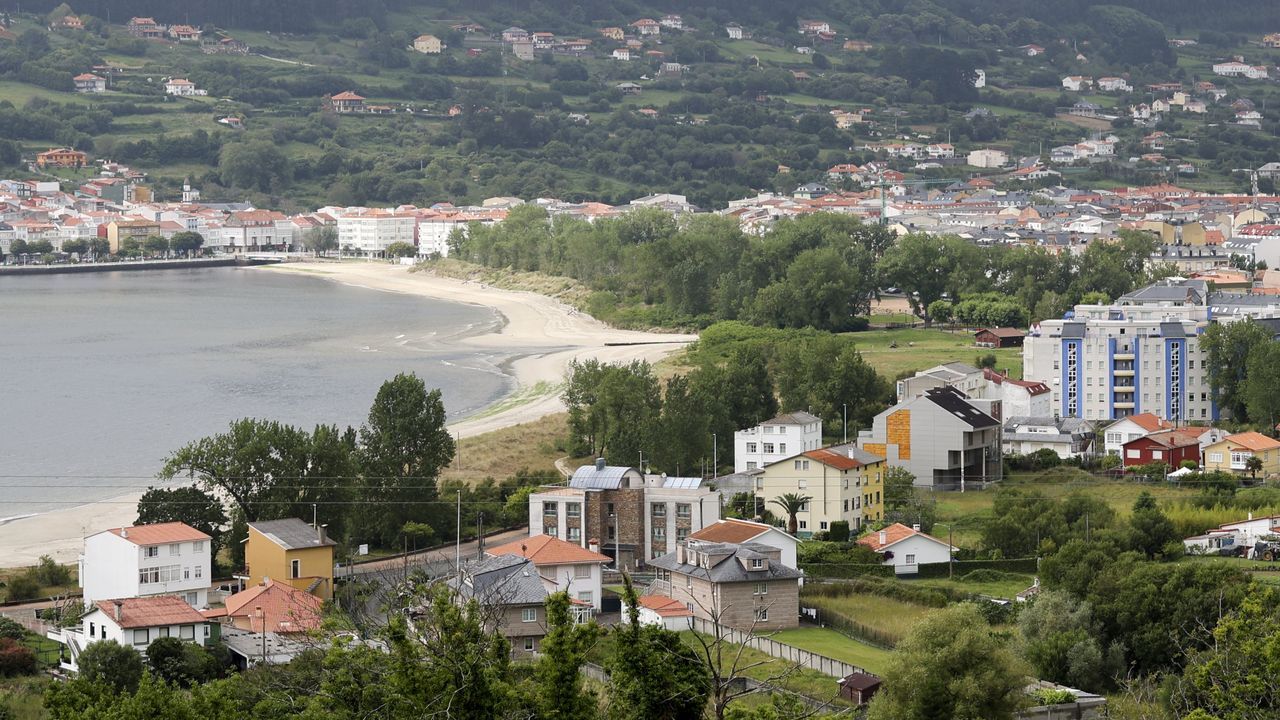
(734, 31)
(906, 548)
(1131, 428)
(89, 83)
(1236, 68)
(145, 560)
(988, 158)
(1076, 83)
(733, 530)
(1018, 397)
(776, 439)
(1229, 536)
(622, 54)
(662, 611)
(561, 565)
(979, 78)
(135, 623)
(182, 88)
(1067, 437)
(1114, 84)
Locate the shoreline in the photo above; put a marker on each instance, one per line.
(539, 336)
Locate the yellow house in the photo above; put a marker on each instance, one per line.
(293, 552)
(1232, 453)
(842, 482)
(121, 231)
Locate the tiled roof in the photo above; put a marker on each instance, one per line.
(547, 550)
(1175, 438)
(731, 530)
(1149, 422)
(664, 606)
(1254, 441)
(846, 457)
(347, 96)
(159, 533)
(150, 611)
(894, 534)
(285, 609)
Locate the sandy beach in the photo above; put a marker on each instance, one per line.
(541, 333)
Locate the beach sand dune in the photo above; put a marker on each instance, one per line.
(542, 334)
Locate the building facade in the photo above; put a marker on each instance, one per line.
(740, 586)
(776, 439)
(843, 482)
(290, 551)
(941, 437)
(147, 560)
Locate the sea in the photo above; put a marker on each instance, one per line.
(103, 375)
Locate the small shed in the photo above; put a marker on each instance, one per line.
(859, 687)
(999, 337)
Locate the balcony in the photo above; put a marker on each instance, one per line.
(1123, 355)
(1123, 373)
(1124, 388)
(1122, 405)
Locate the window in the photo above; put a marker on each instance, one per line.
(152, 551)
(528, 644)
(186, 573)
(191, 598)
(682, 533)
(1113, 438)
(529, 615)
(175, 549)
(751, 447)
(683, 510)
(782, 429)
(846, 505)
(659, 509)
(197, 546)
(911, 559)
(575, 534)
(757, 563)
(762, 589)
(1157, 454)
(688, 606)
(822, 525)
(586, 597)
(688, 582)
(1133, 453)
(608, 509)
(804, 507)
(573, 509)
(782, 447)
(159, 574)
(659, 533)
(551, 530)
(768, 448)
(199, 572)
(162, 632)
(206, 629)
(582, 571)
(1215, 457)
(140, 637)
(91, 629)
(613, 532)
(802, 464)
(762, 614)
(751, 465)
(803, 525)
(768, 429)
(187, 632)
(295, 568)
(549, 508)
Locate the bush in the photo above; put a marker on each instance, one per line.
(115, 665)
(1050, 696)
(839, 531)
(49, 573)
(22, 587)
(10, 629)
(984, 575)
(16, 658)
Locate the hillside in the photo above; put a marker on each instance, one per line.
(713, 117)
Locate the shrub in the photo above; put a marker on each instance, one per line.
(984, 575)
(49, 573)
(839, 531)
(1051, 696)
(113, 664)
(22, 587)
(16, 658)
(10, 629)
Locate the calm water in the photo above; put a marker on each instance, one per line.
(103, 374)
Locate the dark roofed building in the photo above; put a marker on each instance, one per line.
(744, 586)
(859, 687)
(999, 337)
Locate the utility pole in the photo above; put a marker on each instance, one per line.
(715, 456)
(457, 547)
(845, 415)
(480, 535)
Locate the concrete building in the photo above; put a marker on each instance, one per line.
(966, 378)
(1131, 428)
(988, 158)
(842, 482)
(1068, 437)
(776, 439)
(941, 437)
(740, 586)
(369, 231)
(1024, 398)
(513, 593)
(134, 623)
(737, 531)
(429, 44)
(290, 551)
(89, 83)
(146, 560)
(632, 517)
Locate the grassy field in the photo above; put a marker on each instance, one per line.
(887, 615)
(23, 697)
(764, 667)
(921, 348)
(1005, 588)
(834, 645)
(502, 453)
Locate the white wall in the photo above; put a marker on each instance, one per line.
(110, 568)
(923, 551)
(787, 441)
(565, 578)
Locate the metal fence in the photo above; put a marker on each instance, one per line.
(782, 651)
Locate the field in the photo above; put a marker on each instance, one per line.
(1007, 587)
(889, 616)
(834, 645)
(801, 680)
(921, 348)
(502, 453)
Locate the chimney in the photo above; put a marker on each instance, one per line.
(594, 545)
(599, 464)
(916, 527)
(884, 538)
(119, 607)
(124, 533)
(850, 451)
(320, 533)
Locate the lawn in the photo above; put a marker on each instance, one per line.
(889, 616)
(799, 680)
(921, 348)
(834, 645)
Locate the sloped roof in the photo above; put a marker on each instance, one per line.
(501, 579)
(159, 533)
(728, 569)
(954, 402)
(597, 478)
(843, 457)
(732, 530)
(348, 95)
(664, 606)
(1254, 441)
(1148, 421)
(1004, 332)
(547, 550)
(291, 533)
(894, 534)
(286, 609)
(797, 417)
(153, 611)
(1174, 438)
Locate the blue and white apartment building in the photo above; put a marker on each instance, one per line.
(1139, 354)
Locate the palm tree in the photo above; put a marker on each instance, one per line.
(791, 503)
(1253, 465)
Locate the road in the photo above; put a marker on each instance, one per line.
(438, 557)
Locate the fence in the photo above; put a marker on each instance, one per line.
(958, 568)
(782, 651)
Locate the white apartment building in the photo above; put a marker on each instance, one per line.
(145, 560)
(1139, 354)
(371, 230)
(776, 439)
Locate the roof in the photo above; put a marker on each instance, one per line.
(954, 402)
(894, 534)
(733, 530)
(501, 579)
(1032, 388)
(1147, 421)
(1175, 438)
(1004, 332)
(1254, 441)
(285, 609)
(860, 681)
(595, 477)
(159, 533)
(547, 550)
(843, 457)
(798, 417)
(664, 606)
(348, 95)
(726, 567)
(152, 611)
(292, 533)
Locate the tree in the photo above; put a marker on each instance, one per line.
(157, 245)
(1262, 385)
(114, 665)
(561, 695)
(1253, 465)
(613, 409)
(77, 246)
(1235, 678)
(791, 504)
(401, 249)
(321, 239)
(404, 446)
(927, 266)
(21, 587)
(1059, 640)
(187, 243)
(254, 165)
(950, 665)
(654, 675)
(188, 504)
(1150, 532)
(180, 662)
(1228, 347)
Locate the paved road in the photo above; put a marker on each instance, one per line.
(437, 557)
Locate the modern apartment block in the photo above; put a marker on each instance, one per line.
(633, 517)
(1139, 354)
(776, 439)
